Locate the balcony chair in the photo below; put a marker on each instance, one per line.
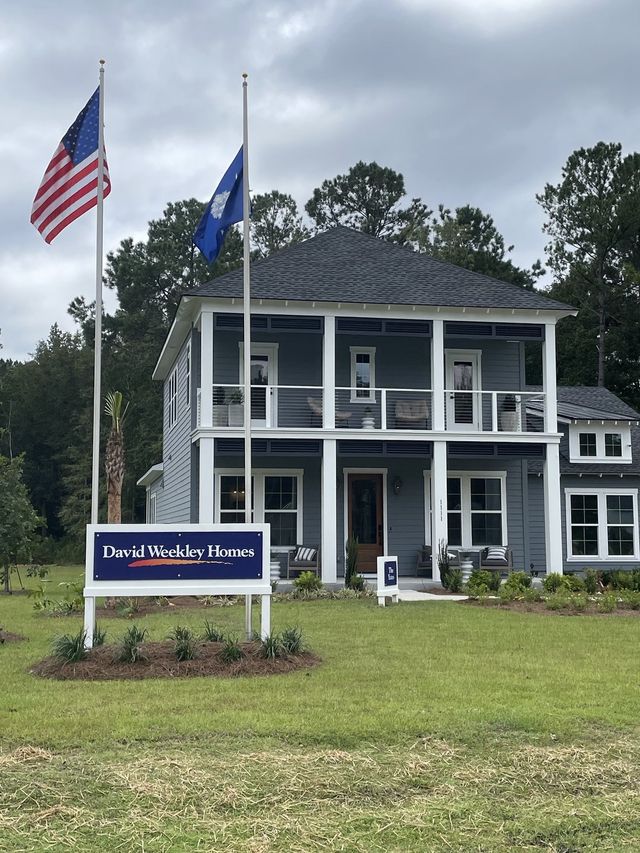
(315, 404)
(412, 414)
(303, 558)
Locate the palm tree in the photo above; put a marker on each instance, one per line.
(114, 456)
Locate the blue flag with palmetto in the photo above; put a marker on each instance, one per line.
(223, 210)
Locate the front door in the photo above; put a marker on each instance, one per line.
(463, 381)
(264, 368)
(365, 518)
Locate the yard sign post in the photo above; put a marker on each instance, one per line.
(387, 579)
(188, 559)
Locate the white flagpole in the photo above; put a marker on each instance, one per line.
(246, 307)
(97, 356)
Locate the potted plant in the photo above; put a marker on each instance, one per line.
(235, 400)
(368, 421)
(509, 414)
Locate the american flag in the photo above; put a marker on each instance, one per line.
(69, 187)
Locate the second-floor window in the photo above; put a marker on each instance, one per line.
(608, 442)
(173, 397)
(363, 373)
(188, 386)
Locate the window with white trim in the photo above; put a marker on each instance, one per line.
(277, 500)
(602, 524)
(188, 377)
(173, 398)
(363, 373)
(601, 442)
(476, 509)
(151, 510)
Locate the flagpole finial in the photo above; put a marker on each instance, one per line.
(244, 76)
(102, 61)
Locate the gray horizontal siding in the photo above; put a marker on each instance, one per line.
(175, 506)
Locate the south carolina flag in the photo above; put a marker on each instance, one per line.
(69, 187)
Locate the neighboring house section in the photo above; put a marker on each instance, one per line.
(600, 477)
(389, 403)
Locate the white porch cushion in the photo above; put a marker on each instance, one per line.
(305, 555)
(497, 554)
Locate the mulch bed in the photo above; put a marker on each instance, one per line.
(146, 606)
(10, 637)
(540, 607)
(160, 662)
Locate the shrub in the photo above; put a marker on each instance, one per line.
(635, 580)
(496, 581)
(591, 581)
(232, 650)
(629, 599)
(532, 594)
(130, 651)
(605, 578)
(579, 602)
(574, 583)
(307, 581)
(292, 641)
(479, 582)
(454, 583)
(621, 580)
(127, 607)
(554, 582)
(558, 601)
(442, 558)
(184, 643)
(507, 594)
(357, 583)
(351, 562)
(98, 636)
(70, 647)
(518, 582)
(211, 633)
(607, 603)
(270, 647)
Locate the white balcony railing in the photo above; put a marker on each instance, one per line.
(294, 407)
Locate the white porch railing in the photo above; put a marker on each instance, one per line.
(301, 407)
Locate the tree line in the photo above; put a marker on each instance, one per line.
(592, 220)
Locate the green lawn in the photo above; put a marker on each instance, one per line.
(427, 727)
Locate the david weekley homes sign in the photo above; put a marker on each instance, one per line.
(188, 559)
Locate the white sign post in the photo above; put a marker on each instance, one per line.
(387, 580)
(135, 560)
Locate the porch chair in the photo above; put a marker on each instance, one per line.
(303, 558)
(412, 414)
(315, 404)
(497, 558)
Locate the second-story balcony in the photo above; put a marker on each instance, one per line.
(302, 407)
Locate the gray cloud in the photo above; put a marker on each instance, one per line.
(478, 103)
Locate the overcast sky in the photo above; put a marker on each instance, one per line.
(474, 101)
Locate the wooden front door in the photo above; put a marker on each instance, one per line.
(365, 516)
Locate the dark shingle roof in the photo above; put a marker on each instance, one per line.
(584, 402)
(343, 265)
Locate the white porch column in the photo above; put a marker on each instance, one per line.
(439, 533)
(549, 378)
(206, 369)
(206, 480)
(329, 374)
(552, 510)
(329, 535)
(437, 375)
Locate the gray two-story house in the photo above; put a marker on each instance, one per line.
(389, 403)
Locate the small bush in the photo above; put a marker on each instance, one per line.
(98, 636)
(357, 583)
(628, 599)
(270, 647)
(127, 607)
(579, 602)
(554, 582)
(496, 581)
(607, 603)
(232, 650)
(532, 595)
(591, 581)
(184, 643)
(622, 580)
(211, 633)
(558, 601)
(307, 581)
(454, 580)
(292, 641)
(518, 582)
(130, 651)
(509, 593)
(70, 647)
(479, 582)
(574, 583)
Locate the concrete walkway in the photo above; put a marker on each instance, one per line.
(415, 595)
